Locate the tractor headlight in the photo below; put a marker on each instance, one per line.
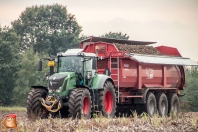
(50, 90)
(58, 90)
(68, 76)
(51, 83)
(81, 54)
(89, 75)
(59, 54)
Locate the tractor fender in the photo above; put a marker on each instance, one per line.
(98, 84)
(39, 87)
(99, 80)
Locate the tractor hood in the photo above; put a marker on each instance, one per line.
(57, 77)
(56, 80)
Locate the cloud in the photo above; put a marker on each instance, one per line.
(171, 23)
(173, 34)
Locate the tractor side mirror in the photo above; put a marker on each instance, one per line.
(39, 65)
(94, 64)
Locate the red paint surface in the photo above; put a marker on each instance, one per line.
(134, 75)
(108, 102)
(86, 105)
(168, 50)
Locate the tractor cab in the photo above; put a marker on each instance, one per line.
(74, 68)
(76, 63)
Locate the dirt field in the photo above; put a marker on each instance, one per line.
(187, 122)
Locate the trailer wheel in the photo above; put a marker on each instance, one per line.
(80, 103)
(173, 104)
(162, 104)
(34, 107)
(107, 100)
(150, 107)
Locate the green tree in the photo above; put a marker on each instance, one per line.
(190, 100)
(9, 59)
(48, 28)
(115, 35)
(28, 76)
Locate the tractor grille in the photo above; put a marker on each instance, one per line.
(56, 84)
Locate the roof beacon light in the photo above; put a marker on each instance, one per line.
(51, 63)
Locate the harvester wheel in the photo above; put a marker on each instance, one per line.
(80, 103)
(173, 104)
(107, 100)
(34, 107)
(162, 104)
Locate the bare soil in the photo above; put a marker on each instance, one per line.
(185, 122)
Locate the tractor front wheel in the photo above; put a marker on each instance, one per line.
(107, 100)
(34, 107)
(80, 103)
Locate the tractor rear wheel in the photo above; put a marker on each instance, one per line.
(80, 103)
(107, 100)
(162, 104)
(173, 104)
(34, 107)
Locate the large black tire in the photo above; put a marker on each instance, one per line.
(150, 107)
(162, 104)
(107, 100)
(34, 107)
(80, 103)
(173, 104)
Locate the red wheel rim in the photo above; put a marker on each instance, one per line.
(85, 105)
(108, 102)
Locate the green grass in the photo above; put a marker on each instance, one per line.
(12, 109)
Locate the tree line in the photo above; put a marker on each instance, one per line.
(39, 31)
(49, 29)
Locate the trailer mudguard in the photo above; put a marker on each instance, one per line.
(99, 80)
(141, 100)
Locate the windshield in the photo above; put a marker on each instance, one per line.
(69, 64)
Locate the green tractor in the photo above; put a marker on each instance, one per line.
(75, 89)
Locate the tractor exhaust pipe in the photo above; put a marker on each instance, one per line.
(40, 65)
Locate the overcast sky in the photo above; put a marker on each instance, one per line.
(168, 22)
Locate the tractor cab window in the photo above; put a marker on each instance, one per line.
(89, 65)
(70, 63)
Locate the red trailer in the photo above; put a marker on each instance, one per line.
(147, 83)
